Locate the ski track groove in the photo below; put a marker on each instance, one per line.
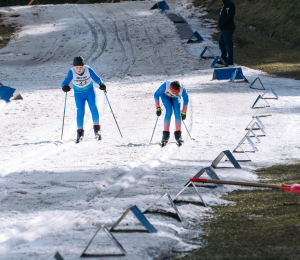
(94, 33)
(103, 31)
(124, 49)
(154, 46)
(127, 38)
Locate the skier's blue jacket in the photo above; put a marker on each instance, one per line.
(82, 82)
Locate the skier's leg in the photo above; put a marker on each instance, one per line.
(92, 101)
(80, 105)
(169, 111)
(80, 99)
(176, 106)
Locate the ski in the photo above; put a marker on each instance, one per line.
(78, 140)
(98, 137)
(179, 143)
(163, 144)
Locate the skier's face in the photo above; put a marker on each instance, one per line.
(174, 91)
(79, 69)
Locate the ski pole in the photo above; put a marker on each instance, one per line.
(62, 130)
(294, 188)
(154, 129)
(188, 131)
(113, 113)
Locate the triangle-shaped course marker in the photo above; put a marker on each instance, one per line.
(262, 112)
(57, 256)
(204, 51)
(6, 93)
(257, 100)
(261, 84)
(229, 156)
(273, 92)
(196, 37)
(211, 173)
(246, 137)
(161, 5)
(112, 238)
(178, 216)
(198, 193)
(235, 75)
(217, 58)
(139, 215)
(256, 125)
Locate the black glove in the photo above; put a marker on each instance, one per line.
(183, 115)
(66, 88)
(158, 111)
(102, 86)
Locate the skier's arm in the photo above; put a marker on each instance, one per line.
(158, 93)
(68, 79)
(185, 98)
(94, 76)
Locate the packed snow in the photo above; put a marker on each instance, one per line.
(54, 193)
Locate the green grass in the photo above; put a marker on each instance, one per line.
(5, 32)
(280, 18)
(261, 224)
(257, 51)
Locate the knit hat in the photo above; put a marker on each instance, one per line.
(78, 61)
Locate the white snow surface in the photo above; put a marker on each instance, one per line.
(54, 193)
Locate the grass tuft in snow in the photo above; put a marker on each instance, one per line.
(5, 33)
(260, 224)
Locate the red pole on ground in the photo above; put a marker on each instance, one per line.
(30, 2)
(294, 188)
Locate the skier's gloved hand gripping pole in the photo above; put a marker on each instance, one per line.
(103, 87)
(65, 88)
(158, 113)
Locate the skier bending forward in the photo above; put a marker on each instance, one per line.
(82, 76)
(170, 94)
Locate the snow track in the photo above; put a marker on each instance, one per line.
(54, 194)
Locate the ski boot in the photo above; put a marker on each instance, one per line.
(165, 138)
(178, 138)
(80, 135)
(97, 132)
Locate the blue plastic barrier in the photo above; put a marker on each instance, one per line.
(226, 73)
(161, 5)
(197, 36)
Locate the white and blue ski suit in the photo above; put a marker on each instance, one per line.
(84, 91)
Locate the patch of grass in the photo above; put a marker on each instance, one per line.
(258, 51)
(261, 224)
(5, 32)
(276, 17)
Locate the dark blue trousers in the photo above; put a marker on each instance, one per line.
(226, 46)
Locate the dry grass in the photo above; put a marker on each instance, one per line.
(262, 224)
(5, 32)
(258, 51)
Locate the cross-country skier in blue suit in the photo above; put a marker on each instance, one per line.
(170, 94)
(82, 76)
